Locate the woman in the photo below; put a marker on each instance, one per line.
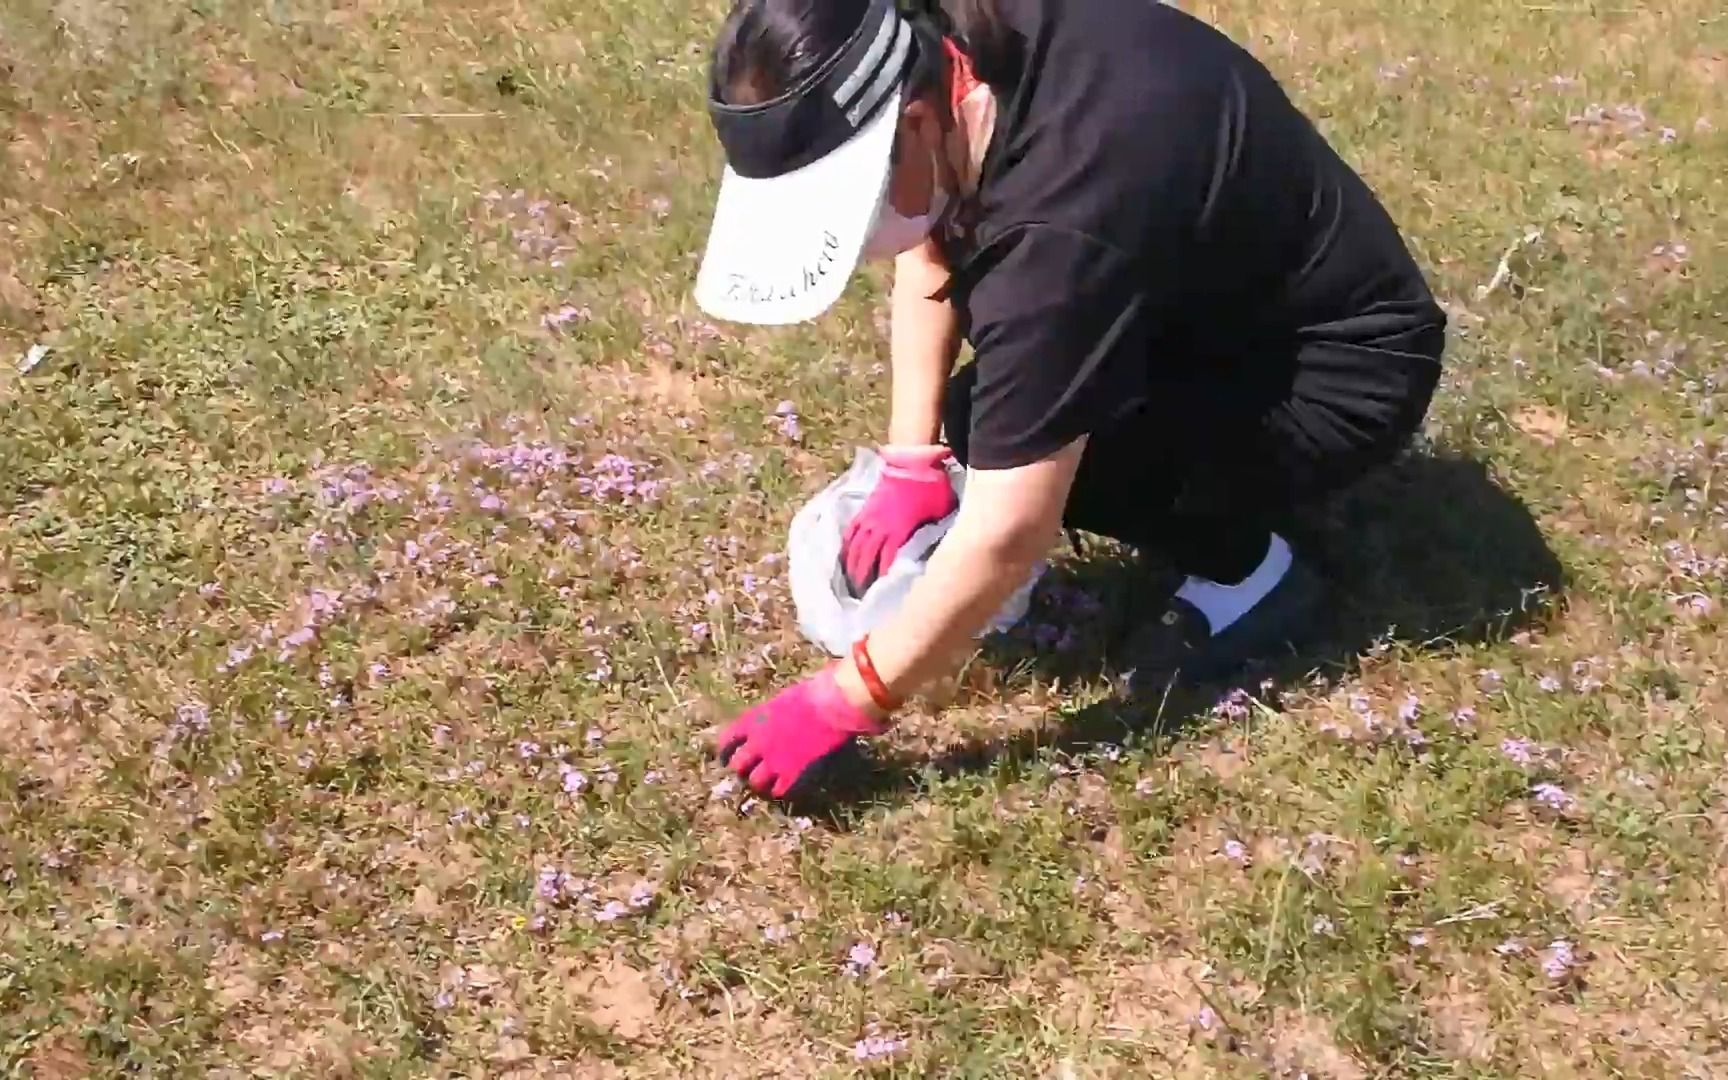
(1187, 313)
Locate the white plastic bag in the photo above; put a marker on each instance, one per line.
(827, 613)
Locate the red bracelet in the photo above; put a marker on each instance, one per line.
(872, 681)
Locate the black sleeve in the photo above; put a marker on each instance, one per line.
(1058, 328)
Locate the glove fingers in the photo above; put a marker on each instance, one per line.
(745, 758)
(890, 549)
(730, 739)
(863, 561)
(762, 778)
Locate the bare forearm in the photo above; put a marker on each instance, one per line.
(1008, 521)
(966, 582)
(924, 340)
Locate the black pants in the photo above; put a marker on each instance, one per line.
(1207, 469)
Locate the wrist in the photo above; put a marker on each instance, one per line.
(856, 691)
(916, 458)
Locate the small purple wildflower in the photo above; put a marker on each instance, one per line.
(1206, 1019)
(1236, 852)
(612, 912)
(1553, 796)
(575, 781)
(1550, 683)
(237, 656)
(1519, 751)
(724, 789)
(859, 959)
(1560, 959)
(548, 883)
(776, 933)
(1418, 940)
(553, 320)
(642, 895)
(1410, 709)
(270, 935)
(876, 1048)
(1489, 680)
(1463, 717)
(1234, 706)
(1322, 926)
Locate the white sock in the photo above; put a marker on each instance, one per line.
(1224, 604)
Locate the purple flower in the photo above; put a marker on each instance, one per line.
(1418, 940)
(575, 781)
(554, 319)
(270, 935)
(860, 958)
(653, 776)
(1236, 852)
(1145, 786)
(1464, 717)
(549, 882)
(723, 789)
(1322, 926)
(1206, 1019)
(1553, 796)
(1234, 706)
(1560, 959)
(876, 1048)
(1549, 683)
(237, 655)
(1519, 751)
(1509, 947)
(776, 933)
(1411, 708)
(1489, 680)
(612, 912)
(642, 895)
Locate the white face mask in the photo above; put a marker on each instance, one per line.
(894, 232)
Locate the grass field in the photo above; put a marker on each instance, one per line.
(383, 528)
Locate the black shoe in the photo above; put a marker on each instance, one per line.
(1179, 647)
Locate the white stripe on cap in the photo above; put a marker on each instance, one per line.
(887, 78)
(872, 56)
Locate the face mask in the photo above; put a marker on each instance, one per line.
(894, 232)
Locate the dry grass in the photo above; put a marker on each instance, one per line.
(385, 528)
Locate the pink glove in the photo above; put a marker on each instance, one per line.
(772, 744)
(912, 492)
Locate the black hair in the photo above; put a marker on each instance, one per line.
(766, 46)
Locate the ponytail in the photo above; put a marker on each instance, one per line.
(995, 49)
(977, 28)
